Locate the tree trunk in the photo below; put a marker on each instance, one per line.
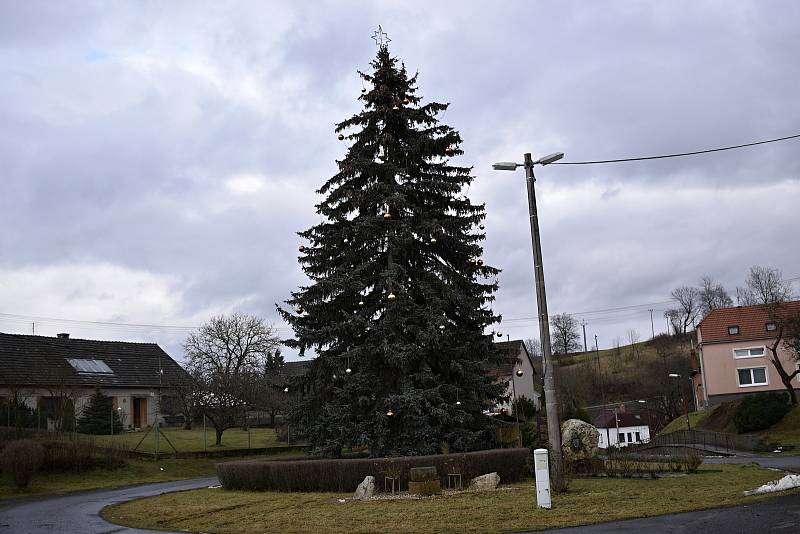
(219, 432)
(272, 419)
(786, 378)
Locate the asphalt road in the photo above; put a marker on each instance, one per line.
(774, 461)
(781, 514)
(79, 512)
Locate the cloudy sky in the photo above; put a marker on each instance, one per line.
(158, 157)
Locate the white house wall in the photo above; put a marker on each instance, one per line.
(609, 438)
(123, 398)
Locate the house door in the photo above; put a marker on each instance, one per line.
(139, 413)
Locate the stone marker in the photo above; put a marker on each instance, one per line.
(424, 481)
(366, 489)
(578, 440)
(485, 482)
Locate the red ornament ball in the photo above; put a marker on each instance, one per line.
(341, 137)
(301, 248)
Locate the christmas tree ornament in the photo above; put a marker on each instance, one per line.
(441, 327)
(499, 334)
(482, 227)
(433, 240)
(348, 370)
(286, 390)
(395, 107)
(387, 216)
(340, 137)
(363, 90)
(479, 262)
(391, 296)
(299, 310)
(406, 101)
(301, 248)
(360, 302)
(390, 413)
(346, 241)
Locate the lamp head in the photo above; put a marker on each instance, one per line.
(551, 158)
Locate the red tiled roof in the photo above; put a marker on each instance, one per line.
(606, 420)
(751, 320)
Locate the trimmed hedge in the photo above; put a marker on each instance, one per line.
(761, 411)
(346, 474)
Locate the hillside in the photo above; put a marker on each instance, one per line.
(629, 373)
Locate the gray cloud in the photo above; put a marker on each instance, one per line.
(182, 144)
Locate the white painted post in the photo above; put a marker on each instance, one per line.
(542, 471)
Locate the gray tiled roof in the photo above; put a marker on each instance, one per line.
(42, 361)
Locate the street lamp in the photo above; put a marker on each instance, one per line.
(551, 402)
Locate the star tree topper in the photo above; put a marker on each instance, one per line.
(380, 37)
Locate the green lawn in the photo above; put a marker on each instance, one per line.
(136, 472)
(511, 508)
(786, 431)
(193, 440)
(694, 418)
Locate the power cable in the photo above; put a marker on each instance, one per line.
(677, 155)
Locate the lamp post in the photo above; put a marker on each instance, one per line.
(551, 402)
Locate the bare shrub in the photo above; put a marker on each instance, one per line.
(692, 460)
(21, 459)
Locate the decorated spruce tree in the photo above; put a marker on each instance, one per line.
(397, 309)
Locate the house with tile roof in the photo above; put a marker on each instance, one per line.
(517, 372)
(733, 359)
(46, 372)
(618, 428)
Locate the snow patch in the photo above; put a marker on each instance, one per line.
(783, 484)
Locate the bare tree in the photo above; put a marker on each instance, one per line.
(534, 347)
(633, 339)
(565, 334)
(189, 391)
(787, 340)
(712, 295)
(229, 353)
(765, 285)
(674, 317)
(688, 307)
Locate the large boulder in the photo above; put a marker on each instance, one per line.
(578, 440)
(366, 489)
(485, 482)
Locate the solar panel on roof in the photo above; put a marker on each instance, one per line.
(90, 366)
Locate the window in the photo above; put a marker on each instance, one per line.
(752, 352)
(622, 438)
(638, 437)
(629, 438)
(94, 367)
(733, 330)
(771, 327)
(601, 439)
(752, 376)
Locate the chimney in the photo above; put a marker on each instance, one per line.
(63, 335)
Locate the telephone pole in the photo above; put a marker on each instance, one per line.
(585, 346)
(599, 369)
(652, 327)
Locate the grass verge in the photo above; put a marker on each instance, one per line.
(192, 440)
(513, 508)
(135, 472)
(694, 418)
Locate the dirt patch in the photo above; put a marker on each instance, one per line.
(721, 420)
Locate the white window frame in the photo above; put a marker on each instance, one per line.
(753, 385)
(762, 347)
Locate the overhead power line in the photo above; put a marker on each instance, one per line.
(679, 154)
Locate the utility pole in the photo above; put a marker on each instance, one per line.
(652, 326)
(599, 369)
(551, 401)
(585, 346)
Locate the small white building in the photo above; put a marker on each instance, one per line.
(620, 429)
(518, 373)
